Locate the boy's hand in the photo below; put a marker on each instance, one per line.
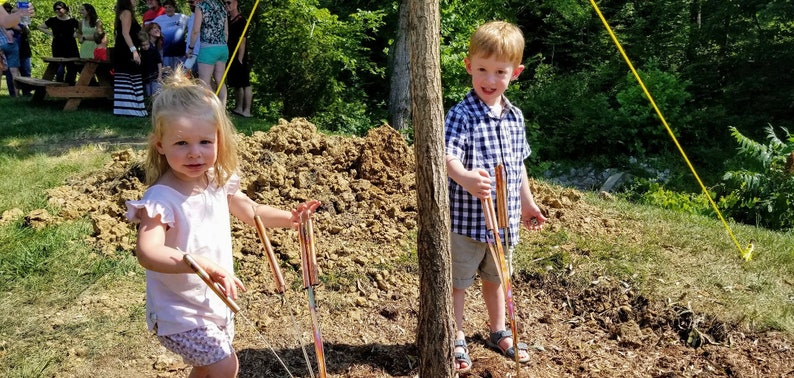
(477, 182)
(531, 217)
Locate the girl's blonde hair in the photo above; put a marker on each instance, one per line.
(182, 96)
(498, 38)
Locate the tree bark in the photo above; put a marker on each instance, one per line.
(435, 328)
(399, 89)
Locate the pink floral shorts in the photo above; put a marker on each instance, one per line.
(201, 346)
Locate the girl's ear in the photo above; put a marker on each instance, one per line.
(159, 146)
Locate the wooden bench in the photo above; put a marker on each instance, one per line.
(40, 87)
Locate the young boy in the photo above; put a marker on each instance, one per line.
(481, 132)
(151, 65)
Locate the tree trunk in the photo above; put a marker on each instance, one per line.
(400, 89)
(435, 329)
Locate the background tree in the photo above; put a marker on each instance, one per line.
(399, 83)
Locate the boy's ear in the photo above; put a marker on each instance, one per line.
(517, 71)
(467, 62)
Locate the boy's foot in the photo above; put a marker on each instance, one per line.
(462, 359)
(503, 342)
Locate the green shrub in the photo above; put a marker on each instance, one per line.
(761, 190)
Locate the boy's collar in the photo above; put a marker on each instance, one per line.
(482, 107)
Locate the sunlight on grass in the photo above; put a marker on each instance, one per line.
(24, 180)
(681, 258)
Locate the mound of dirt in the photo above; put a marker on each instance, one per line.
(368, 309)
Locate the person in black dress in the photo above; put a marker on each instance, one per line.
(127, 79)
(62, 28)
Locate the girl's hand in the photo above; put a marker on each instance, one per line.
(303, 211)
(227, 281)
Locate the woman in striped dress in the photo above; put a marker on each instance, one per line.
(127, 80)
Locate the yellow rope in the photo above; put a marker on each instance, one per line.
(745, 253)
(236, 48)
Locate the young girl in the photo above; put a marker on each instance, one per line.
(191, 167)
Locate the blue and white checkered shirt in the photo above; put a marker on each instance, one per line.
(480, 139)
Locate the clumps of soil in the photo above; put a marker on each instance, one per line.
(367, 302)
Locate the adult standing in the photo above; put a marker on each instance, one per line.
(154, 10)
(63, 28)
(174, 27)
(212, 26)
(239, 76)
(127, 80)
(90, 31)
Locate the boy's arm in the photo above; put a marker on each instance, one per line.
(531, 216)
(477, 181)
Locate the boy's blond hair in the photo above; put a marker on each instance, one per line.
(500, 39)
(182, 96)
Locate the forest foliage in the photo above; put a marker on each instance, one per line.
(716, 69)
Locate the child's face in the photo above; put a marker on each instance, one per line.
(145, 45)
(491, 76)
(189, 144)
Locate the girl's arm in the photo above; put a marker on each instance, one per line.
(243, 208)
(154, 255)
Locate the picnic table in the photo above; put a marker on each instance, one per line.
(94, 81)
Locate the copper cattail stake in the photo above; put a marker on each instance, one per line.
(494, 243)
(309, 265)
(278, 278)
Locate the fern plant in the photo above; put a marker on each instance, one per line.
(761, 192)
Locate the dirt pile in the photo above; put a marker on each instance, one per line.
(368, 309)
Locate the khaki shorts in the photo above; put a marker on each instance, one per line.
(471, 257)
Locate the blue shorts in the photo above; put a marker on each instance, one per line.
(201, 346)
(11, 51)
(213, 54)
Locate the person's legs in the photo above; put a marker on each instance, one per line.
(238, 100)
(248, 97)
(12, 92)
(220, 67)
(205, 74)
(227, 367)
(494, 298)
(458, 302)
(25, 71)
